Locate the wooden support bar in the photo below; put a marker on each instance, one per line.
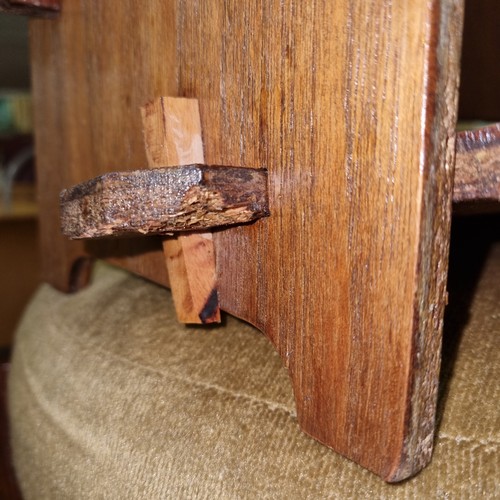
(163, 201)
(34, 8)
(172, 134)
(477, 170)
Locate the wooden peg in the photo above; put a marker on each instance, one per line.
(172, 134)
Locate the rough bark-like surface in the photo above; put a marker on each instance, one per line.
(163, 200)
(477, 170)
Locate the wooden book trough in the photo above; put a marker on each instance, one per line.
(328, 225)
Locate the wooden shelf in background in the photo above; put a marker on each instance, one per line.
(23, 206)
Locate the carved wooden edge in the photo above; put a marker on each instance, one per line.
(33, 8)
(477, 170)
(163, 201)
(437, 164)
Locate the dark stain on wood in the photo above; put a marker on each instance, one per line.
(211, 308)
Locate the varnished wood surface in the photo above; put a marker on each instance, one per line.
(477, 170)
(163, 201)
(351, 105)
(72, 126)
(173, 134)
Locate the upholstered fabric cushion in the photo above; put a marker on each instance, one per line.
(111, 398)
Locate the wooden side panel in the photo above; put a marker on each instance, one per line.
(92, 71)
(351, 105)
(346, 103)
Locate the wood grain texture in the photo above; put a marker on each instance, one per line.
(351, 105)
(34, 8)
(434, 197)
(74, 66)
(163, 201)
(173, 135)
(477, 170)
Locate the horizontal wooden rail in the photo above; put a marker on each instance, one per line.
(164, 200)
(477, 170)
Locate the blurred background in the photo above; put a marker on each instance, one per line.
(19, 274)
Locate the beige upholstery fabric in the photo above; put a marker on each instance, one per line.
(111, 398)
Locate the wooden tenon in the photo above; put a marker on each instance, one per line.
(167, 200)
(178, 199)
(164, 201)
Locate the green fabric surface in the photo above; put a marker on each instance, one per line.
(111, 398)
